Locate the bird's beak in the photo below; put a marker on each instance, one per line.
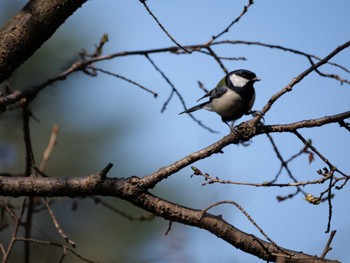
(256, 79)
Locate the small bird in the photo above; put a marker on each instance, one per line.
(232, 97)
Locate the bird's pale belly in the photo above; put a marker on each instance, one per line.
(229, 104)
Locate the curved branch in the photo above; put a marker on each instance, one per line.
(132, 190)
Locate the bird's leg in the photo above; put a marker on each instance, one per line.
(236, 132)
(232, 127)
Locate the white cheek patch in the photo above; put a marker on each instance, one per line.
(238, 81)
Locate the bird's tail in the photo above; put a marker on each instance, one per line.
(203, 105)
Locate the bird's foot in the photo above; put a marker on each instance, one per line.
(234, 130)
(232, 127)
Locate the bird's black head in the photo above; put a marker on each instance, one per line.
(247, 74)
(240, 78)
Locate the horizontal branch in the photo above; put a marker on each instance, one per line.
(132, 190)
(305, 124)
(31, 92)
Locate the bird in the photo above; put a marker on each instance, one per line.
(233, 96)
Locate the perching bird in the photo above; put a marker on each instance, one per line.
(233, 97)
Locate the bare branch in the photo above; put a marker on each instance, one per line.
(299, 78)
(217, 59)
(175, 91)
(305, 124)
(64, 248)
(29, 29)
(240, 208)
(286, 49)
(132, 190)
(284, 164)
(124, 78)
(162, 27)
(324, 159)
(297, 184)
(146, 217)
(328, 245)
(56, 224)
(31, 92)
(15, 231)
(49, 148)
(30, 163)
(246, 131)
(244, 11)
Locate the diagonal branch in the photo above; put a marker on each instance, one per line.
(244, 11)
(300, 77)
(29, 29)
(162, 27)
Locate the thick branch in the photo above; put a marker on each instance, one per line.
(132, 191)
(29, 29)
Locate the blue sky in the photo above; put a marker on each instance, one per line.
(153, 139)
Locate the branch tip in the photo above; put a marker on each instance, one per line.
(103, 173)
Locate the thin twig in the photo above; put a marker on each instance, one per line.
(15, 231)
(29, 164)
(174, 90)
(217, 59)
(328, 245)
(27, 140)
(284, 164)
(56, 224)
(332, 76)
(307, 143)
(146, 217)
(49, 148)
(244, 11)
(44, 242)
(283, 48)
(169, 228)
(299, 78)
(162, 27)
(248, 217)
(212, 180)
(124, 78)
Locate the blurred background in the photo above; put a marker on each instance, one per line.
(105, 119)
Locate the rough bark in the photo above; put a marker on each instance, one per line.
(29, 29)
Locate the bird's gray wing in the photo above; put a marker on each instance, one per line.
(218, 92)
(215, 93)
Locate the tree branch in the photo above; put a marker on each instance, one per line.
(132, 190)
(29, 29)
